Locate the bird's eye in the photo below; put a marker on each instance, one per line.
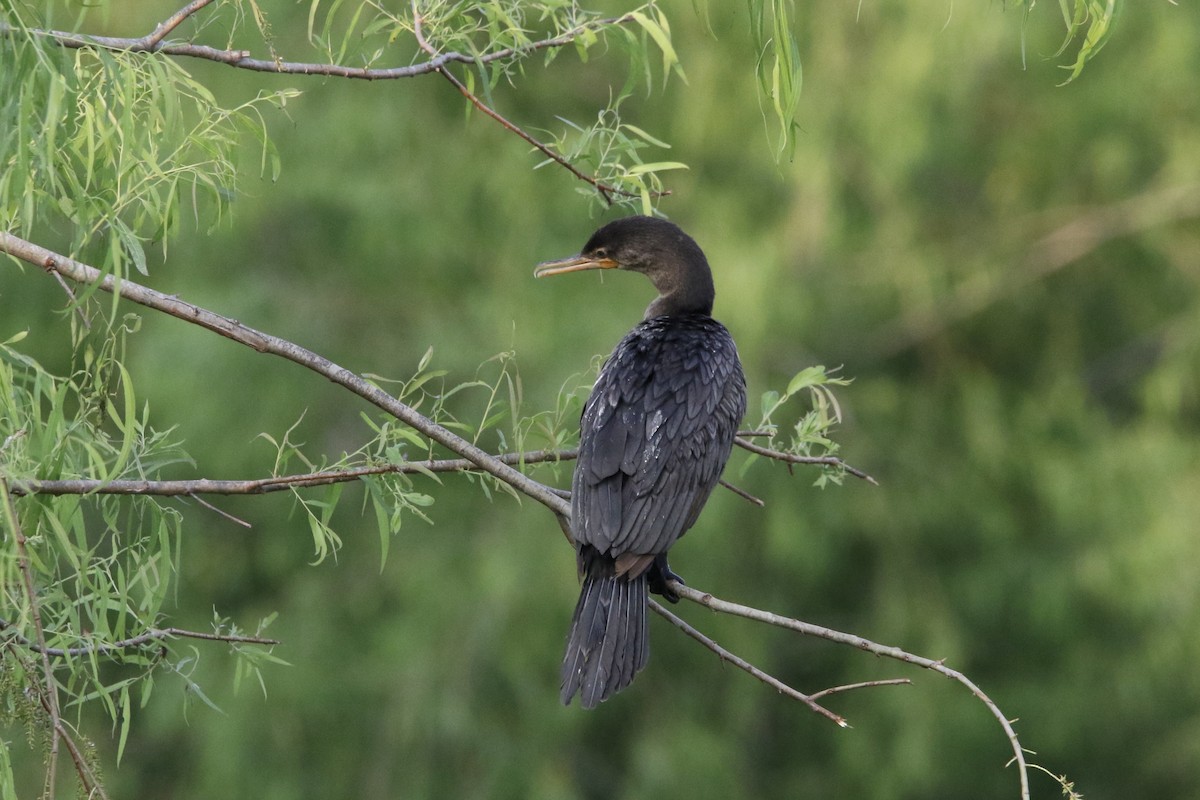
(600, 252)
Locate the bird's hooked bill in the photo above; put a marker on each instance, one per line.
(573, 264)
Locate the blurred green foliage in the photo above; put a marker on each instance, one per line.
(1007, 269)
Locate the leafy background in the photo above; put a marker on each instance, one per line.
(1006, 267)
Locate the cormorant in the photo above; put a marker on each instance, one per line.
(655, 434)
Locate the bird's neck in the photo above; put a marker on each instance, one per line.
(694, 295)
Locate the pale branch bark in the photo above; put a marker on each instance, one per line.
(849, 687)
(887, 651)
(242, 59)
(150, 635)
(256, 486)
(273, 345)
(192, 487)
(769, 680)
(265, 343)
(606, 191)
(438, 62)
(220, 512)
(49, 696)
(742, 493)
(792, 458)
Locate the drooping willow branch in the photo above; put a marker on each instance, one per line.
(266, 343)
(255, 486)
(49, 694)
(150, 635)
(438, 62)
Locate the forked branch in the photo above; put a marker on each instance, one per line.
(808, 629)
(438, 62)
(265, 343)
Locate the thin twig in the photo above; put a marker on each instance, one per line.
(743, 664)
(66, 287)
(791, 458)
(198, 486)
(606, 190)
(742, 493)
(849, 687)
(215, 510)
(808, 629)
(241, 59)
(150, 635)
(171, 23)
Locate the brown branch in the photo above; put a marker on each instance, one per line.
(492, 465)
(193, 487)
(849, 687)
(49, 696)
(273, 345)
(150, 635)
(606, 190)
(791, 458)
(742, 493)
(219, 512)
(743, 664)
(437, 63)
(256, 486)
(171, 23)
(809, 700)
(808, 629)
(241, 59)
(66, 287)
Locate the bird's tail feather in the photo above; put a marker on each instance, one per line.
(608, 643)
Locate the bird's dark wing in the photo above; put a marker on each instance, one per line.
(655, 434)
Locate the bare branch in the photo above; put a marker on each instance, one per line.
(808, 629)
(472, 457)
(215, 510)
(266, 343)
(743, 664)
(742, 493)
(791, 458)
(193, 487)
(255, 486)
(151, 635)
(66, 287)
(241, 59)
(172, 22)
(849, 687)
(606, 190)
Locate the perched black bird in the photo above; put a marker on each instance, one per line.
(654, 437)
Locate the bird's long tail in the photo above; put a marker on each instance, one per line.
(608, 643)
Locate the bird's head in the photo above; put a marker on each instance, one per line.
(658, 249)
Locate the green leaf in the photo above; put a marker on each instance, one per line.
(809, 376)
(656, 166)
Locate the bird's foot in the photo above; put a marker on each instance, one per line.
(660, 577)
